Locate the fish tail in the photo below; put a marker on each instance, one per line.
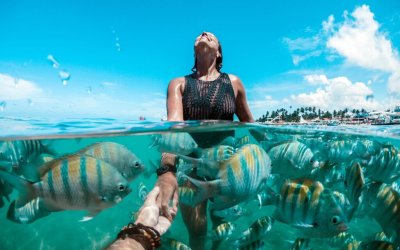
(28, 213)
(25, 188)
(204, 191)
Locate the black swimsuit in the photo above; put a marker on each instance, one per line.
(209, 100)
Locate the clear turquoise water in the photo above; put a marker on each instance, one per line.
(63, 230)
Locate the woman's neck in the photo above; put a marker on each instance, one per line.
(207, 73)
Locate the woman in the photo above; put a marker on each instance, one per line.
(206, 94)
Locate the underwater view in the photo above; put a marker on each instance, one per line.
(75, 184)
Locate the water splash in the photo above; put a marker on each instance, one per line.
(3, 105)
(65, 76)
(53, 61)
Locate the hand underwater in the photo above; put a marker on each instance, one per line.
(168, 186)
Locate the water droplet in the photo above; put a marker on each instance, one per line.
(53, 61)
(118, 46)
(65, 76)
(3, 105)
(89, 90)
(117, 39)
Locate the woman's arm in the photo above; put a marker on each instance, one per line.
(174, 99)
(242, 108)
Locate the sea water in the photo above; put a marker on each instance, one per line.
(64, 230)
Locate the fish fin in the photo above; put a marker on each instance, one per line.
(302, 225)
(205, 189)
(155, 141)
(240, 142)
(90, 215)
(28, 213)
(5, 166)
(25, 188)
(204, 167)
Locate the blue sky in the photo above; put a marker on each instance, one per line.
(117, 57)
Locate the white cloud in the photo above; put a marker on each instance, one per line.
(18, 89)
(316, 79)
(337, 93)
(359, 40)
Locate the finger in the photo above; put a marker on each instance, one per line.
(165, 211)
(175, 201)
(162, 225)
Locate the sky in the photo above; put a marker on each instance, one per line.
(72, 59)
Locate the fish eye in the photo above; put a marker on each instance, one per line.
(121, 187)
(335, 219)
(137, 164)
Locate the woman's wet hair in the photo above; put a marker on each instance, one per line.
(218, 64)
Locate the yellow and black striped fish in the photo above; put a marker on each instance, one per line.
(176, 143)
(74, 182)
(118, 156)
(238, 178)
(383, 204)
(256, 231)
(306, 205)
(292, 159)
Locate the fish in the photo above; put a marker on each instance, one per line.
(142, 191)
(235, 142)
(176, 143)
(186, 195)
(377, 244)
(306, 205)
(384, 167)
(257, 230)
(236, 180)
(341, 240)
(16, 155)
(383, 204)
(231, 213)
(256, 245)
(119, 156)
(173, 244)
(223, 231)
(73, 182)
(218, 153)
(301, 244)
(354, 184)
(292, 159)
(5, 191)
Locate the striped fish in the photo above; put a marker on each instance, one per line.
(256, 231)
(354, 184)
(175, 143)
(255, 245)
(223, 231)
(306, 205)
(238, 178)
(218, 153)
(126, 162)
(186, 195)
(173, 244)
(377, 245)
(74, 182)
(20, 152)
(292, 159)
(383, 204)
(235, 142)
(384, 167)
(231, 213)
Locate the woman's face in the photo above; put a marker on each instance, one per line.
(208, 39)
